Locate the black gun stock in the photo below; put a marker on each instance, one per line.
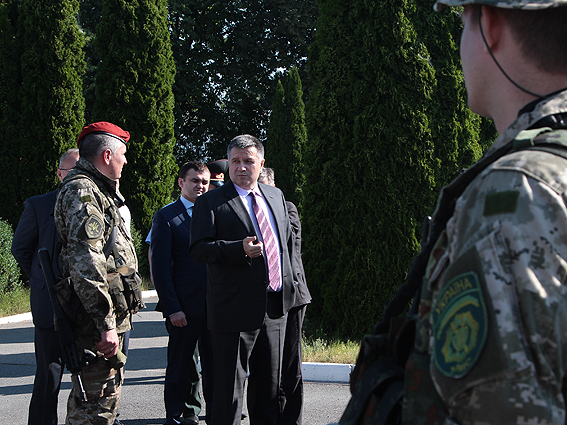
(71, 356)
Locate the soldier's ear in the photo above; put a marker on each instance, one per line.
(106, 156)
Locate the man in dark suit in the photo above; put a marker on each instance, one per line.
(291, 397)
(36, 229)
(180, 283)
(239, 230)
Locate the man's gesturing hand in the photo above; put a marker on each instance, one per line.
(252, 247)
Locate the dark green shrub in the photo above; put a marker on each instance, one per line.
(9, 269)
(141, 248)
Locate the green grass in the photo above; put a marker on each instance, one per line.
(15, 302)
(323, 350)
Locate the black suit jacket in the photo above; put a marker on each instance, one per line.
(36, 229)
(302, 296)
(180, 281)
(237, 285)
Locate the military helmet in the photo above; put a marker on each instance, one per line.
(507, 4)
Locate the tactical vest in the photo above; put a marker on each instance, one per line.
(123, 279)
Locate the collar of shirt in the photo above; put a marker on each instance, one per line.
(188, 205)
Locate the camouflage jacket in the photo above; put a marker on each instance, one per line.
(85, 214)
(491, 343)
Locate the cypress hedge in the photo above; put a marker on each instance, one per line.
(51, 100)
(10, 81)
(134, 90)
(375, 155)
(287, 135)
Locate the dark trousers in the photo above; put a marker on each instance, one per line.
(207, 372)
(47, 382)
(181, 390)
(260, 352)
(291, 397)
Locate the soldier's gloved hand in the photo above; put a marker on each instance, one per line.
(108, 344)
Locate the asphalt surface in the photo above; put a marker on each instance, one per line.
(142, 393)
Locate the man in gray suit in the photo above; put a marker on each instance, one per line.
(242, 231)
(36, 229)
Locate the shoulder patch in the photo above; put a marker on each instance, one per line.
(501, 203)
(94, 227)
(460, 325)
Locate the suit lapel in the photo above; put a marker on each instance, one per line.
(238, 207)
(275, 207)
(182, 211)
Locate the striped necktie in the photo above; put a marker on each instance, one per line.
(270, 248)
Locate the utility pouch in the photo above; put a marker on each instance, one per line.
(116, 291)
(132, 284)
(377, 381)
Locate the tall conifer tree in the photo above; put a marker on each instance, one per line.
(372, 158)
(10, 82)
(287, 136)
(52, 103)
(134, 90)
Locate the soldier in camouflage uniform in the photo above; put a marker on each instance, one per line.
(87, 217)
(491, 342)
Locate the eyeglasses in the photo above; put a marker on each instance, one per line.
(67, 169)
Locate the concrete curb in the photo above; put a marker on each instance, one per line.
(312, 372)
(326, 372)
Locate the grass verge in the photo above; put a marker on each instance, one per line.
(324, 350)
(16, 301)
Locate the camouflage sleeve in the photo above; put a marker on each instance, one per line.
(499, 320)
(80, 220)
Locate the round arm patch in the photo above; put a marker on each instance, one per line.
(94, 227)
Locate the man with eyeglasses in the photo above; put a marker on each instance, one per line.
(36, 229)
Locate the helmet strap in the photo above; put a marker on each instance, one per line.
(498, 64)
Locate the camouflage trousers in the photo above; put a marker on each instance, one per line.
(103, 386)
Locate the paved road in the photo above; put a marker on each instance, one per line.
(142, 394)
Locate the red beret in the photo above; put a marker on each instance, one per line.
(103, 127)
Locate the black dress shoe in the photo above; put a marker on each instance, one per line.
(190, 420)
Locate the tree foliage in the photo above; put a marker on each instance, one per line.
(287, 136)
(134, 90)
(47, 112)
(381, 140)
(9, 269)
(229, 57)
(10, 81)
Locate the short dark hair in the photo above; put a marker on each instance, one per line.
(246, 141)
(541, 34)
(191, 165)
(94, 144)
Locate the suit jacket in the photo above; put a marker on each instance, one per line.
(302, 296)
(237, 284)
(180, 281)
(36, 229)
